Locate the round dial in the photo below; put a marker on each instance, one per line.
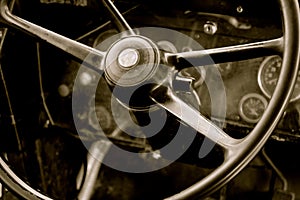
(252, 106)
(268, 76)
(228, 69)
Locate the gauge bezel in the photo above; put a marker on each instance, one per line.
(264, 90)
(243, 100)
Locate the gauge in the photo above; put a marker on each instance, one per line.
(227, 69)
(268, 75)
(102, 37)
(252, 106)
(102, 118)
(167, 46)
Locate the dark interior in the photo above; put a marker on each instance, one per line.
(45, 148)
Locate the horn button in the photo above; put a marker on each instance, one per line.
(128, 58)
(131, 61)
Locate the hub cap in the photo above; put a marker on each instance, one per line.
(131, 61)
(128, 58)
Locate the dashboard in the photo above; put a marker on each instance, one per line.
(48, 79)
(248, 83)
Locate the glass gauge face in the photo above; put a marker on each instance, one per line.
(268, 75)
(252, 106)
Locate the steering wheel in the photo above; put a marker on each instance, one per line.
(237, 152)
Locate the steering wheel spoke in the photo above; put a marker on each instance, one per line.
(135, 60)
(225, 54)
(117, 17)
(165, 98)
(72, 47)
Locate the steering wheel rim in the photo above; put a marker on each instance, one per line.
(239, 154)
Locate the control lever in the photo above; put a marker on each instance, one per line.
(97, 153)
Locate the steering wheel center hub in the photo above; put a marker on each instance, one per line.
(131, 61)
(128, 58)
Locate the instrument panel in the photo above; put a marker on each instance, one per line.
(248, 86)
(249, 83)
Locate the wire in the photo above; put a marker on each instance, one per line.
(41, 84)
(12, 116)
(103, 25)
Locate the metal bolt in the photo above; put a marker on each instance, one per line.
(128, 58)
(239, 9)
(210, 28)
